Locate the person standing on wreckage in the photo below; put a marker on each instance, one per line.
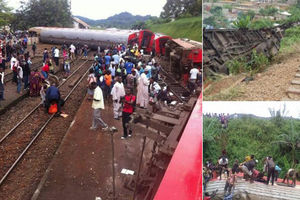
(142, 90)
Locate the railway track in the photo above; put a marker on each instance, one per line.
(181, 93)
(293, 92)
(16, 142)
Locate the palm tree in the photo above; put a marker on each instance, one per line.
(290, 140)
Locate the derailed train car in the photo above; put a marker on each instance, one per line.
(92, 38)
(182, 55)
(223, 45)
(160, 42)
(144, 39)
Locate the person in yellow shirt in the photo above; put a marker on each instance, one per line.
(98, 104)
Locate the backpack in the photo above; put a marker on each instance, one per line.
(53, 109)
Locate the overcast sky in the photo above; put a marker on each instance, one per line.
(102, 9)
(258, 108)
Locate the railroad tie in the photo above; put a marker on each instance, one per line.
(295, 82)
(293, 90)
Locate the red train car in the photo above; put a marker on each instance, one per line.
(183, 178)
(160, 42)
(196, 56)
(144, 39)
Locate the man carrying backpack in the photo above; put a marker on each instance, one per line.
(128, 108)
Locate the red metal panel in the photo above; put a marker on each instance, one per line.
(183, 178)
(196, 56)
(160, 42)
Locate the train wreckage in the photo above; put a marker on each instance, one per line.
(222, 45)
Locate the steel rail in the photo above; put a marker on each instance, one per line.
(170, 86)
(39, 133)
(35, 108)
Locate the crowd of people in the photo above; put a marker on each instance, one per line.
(247, 168)
(15, 57)
(126, 78)
(119, 75)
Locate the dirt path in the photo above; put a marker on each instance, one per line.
(270, 85)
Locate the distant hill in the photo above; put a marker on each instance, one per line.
(123, 20)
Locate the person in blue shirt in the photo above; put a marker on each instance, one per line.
(107, 60)
(52, 97)
(128, 67)
(116, 58)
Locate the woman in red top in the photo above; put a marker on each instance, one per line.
(45, 70)
(128, 108)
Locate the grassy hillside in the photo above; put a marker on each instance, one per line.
(247, 135)
(190, 28)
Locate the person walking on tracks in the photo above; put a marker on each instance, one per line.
(117, 92)
(98, 104)
(19, 78)
(33, 49)
(1, 84)
(128, 108)
(56, 56)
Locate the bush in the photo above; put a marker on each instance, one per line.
(237, 65)
(249, 135)
(256, 63)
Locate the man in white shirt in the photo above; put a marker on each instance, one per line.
(142, 90)
(56, 56)
(1, 85)
(72, 50)
(20, 78)
(194, 74)
(13, 66)
(98, 104)
(118, 92)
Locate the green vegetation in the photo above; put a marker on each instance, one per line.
(230, 94)
(261, 23)
(268, 11)
(243, 22)
(179, 19)
(43, 13)
(181, 28)
(179, 8)
(291, 39)
(258, 62)
(5, 14)
(217, 20)
(277, 137)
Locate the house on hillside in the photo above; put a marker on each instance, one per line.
(78, 23)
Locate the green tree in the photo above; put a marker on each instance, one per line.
(177, 8)
(138, 25)
(268, 11)
(5, 14)
(44, 13)
(243, 22)
(291, 140)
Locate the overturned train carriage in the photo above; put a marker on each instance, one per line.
(222, 45)
(182, 54)
(92, 38)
